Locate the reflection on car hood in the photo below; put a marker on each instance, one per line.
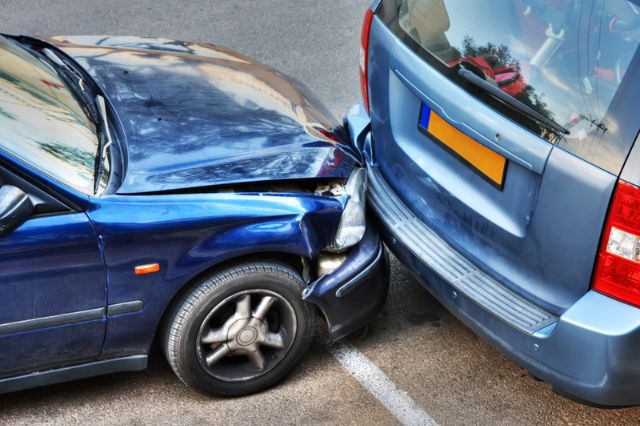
(197, 115)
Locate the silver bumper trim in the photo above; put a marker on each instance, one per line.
(449, 264)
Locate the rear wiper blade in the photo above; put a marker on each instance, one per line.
(509, 100)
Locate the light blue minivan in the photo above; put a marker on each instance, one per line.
(499, 137)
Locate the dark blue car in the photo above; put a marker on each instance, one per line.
(161, 189)
(499, 138)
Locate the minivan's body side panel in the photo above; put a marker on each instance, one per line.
(631, 170)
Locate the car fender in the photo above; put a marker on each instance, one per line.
(188, 235)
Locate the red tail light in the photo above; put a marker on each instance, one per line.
(617, 271)
(364, 58)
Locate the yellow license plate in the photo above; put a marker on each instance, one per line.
(486, 162)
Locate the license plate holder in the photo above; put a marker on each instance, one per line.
(487, 163)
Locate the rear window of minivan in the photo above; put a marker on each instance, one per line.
(565, 59)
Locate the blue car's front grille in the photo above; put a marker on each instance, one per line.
(453, 267)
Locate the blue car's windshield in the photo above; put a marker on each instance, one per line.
(41, 122)
(565, 59)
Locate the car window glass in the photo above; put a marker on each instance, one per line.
(41, 122)
(566, 59)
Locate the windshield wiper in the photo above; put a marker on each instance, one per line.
(510, 101)
(103, 145)
(99, 117)
(75, 80)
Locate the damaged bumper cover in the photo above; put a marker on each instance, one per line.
(355, 292)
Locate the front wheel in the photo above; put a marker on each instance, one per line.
(240, 330)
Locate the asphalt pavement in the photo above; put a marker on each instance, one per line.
(417, 356)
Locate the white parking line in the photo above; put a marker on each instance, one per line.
(380, 386)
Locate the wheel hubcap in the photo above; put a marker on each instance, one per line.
(246, 335)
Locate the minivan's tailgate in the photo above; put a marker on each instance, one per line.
(537, 232)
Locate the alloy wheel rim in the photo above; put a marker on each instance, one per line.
(246, 335)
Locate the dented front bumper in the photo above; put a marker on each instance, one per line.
(354, 293)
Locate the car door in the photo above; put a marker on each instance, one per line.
(52, 287)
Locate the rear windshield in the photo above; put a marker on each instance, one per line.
(565, 59)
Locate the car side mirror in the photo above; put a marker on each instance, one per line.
(15, 208)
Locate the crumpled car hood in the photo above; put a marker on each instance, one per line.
(198, 115)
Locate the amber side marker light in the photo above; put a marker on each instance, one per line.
(617, 272)
(147, 269)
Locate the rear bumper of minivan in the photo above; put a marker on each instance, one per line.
(591, 352)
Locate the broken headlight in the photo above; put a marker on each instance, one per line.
(353, 221)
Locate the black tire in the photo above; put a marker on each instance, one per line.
(282, 333)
